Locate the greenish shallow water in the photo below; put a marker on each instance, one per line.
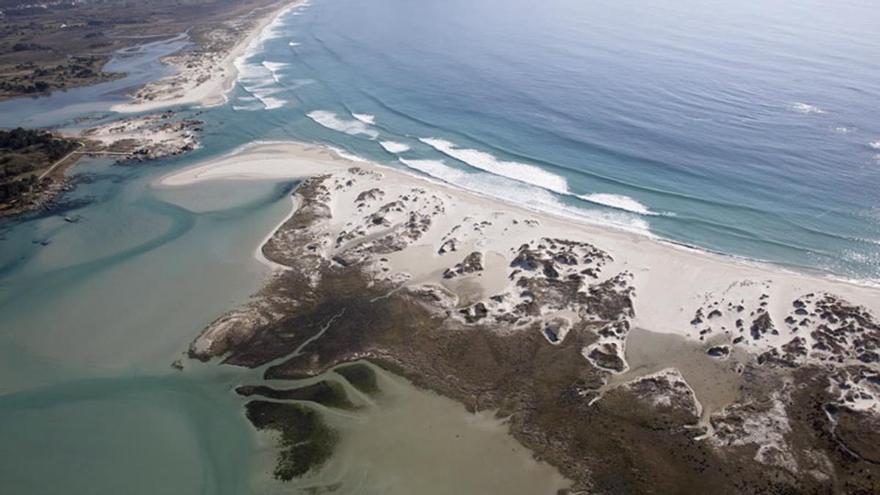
(92, 321)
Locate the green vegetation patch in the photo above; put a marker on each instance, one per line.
(306, 441)
(23, 152)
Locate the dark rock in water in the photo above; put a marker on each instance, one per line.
(719, 351)
(361, 376)
(714, 314)
(738, 339)
(306, 441)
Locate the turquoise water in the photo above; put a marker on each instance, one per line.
(743, 127)
(140, 64)
(747, 128)
(92, 321)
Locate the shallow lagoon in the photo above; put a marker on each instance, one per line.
(93, 320)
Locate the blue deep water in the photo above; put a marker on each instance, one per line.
(747, 128)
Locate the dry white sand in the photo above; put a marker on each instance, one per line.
(206, 83)
(671, 282)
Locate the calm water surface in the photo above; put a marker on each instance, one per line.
(743, 127)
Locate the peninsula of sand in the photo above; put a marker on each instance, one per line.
(629, 363)
(203, 76)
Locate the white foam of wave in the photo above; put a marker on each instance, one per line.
(293, 43)
(619, 202)
(248, 76)
(247, 108)
(332, 121)
(262, 84)
(523, 172)
(843, 130)
(348, 156)
(394, 147)
(806, 108)
(260, 78)
(274, 68)
(531, 197)
(365, 118)
(875, 145)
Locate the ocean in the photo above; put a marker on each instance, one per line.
(747, 128)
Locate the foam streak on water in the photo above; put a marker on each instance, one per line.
(528, 196)
(394, 147)
(354, 127)
(523, 172)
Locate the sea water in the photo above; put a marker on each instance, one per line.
(743, 127)
(747, 128)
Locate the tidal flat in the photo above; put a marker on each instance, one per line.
(731, 368)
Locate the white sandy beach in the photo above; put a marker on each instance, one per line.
(202, 79)
(672, 284)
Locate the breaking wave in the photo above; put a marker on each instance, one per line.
(534, 198)
(365, 118)
(394, 147)
(352, 127)
(523, 172)
(274, 68)
(618, 201)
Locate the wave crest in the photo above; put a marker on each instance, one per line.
(619, 202)
(523, 172)
(528, 196)
(332, 121)
(394, 147)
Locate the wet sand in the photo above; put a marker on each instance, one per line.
(715, 382)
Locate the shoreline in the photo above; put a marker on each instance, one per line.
(332, 159)
(535, 324)
(214, 90)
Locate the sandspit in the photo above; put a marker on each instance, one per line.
(529, 315)
(203, 77)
